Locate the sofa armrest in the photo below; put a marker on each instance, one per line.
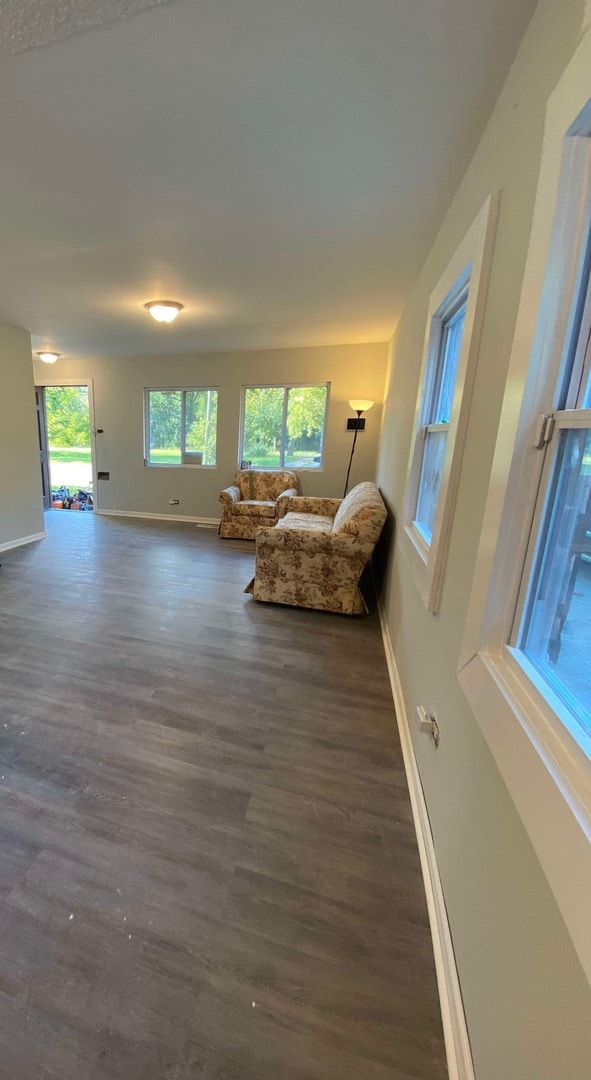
(305, 504)
(283, 500)
(228, 497)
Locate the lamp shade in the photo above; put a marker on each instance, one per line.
(361, 404)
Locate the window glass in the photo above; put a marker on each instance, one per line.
(430, 482)
(306, 408)
(283, 426)
(201, 416)
(438, 416)
(557, 628)
(451, 347)
(554, 627)
(182, 427)
(263, 426)
(165, 427)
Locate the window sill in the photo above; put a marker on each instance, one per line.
(172, 465)
(547, 775)
(282, 468)
(417, 554)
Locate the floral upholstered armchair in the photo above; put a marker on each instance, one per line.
(316, 553)
(255, 499)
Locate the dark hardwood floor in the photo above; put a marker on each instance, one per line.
(208, 868)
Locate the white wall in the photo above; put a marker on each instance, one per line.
(527, 1001)
(21, 511)
(352, 370)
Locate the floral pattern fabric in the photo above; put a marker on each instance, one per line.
(305, 566)
(256, 484)
(310, 522)
(229, 496)
(250, 508)
(303, 504)
(255, 499)
(361, 513)
(245, 528)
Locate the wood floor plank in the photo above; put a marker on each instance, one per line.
(202, 805)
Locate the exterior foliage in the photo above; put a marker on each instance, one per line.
(166, 424)
(66, 409)
(283, 425)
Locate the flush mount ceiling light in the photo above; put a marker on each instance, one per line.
(49, 357)
(163, 310)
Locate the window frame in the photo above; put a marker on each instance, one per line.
(562, 421)
(543, 760)
(466, 273)
(286, 387)
(174, 390)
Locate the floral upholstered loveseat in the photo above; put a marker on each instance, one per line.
(314, 556)
(254, 499)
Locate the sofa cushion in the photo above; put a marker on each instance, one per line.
(254, 508)
(362, 513)
(311, 522)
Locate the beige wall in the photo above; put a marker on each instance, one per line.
(527, 1001)
(352, 370)
(21, 512)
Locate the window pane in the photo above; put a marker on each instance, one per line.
(201, 415)
(557, 632)
(451, 344)
(263, 423)
(165, 427)
(306, 408)
(430, 480)
(585, 391)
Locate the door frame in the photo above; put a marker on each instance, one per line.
(43, 446)
(47, 380)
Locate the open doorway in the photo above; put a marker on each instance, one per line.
(65, 447)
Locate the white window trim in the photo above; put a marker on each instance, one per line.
(471, 263)
(173, 465)
(545, 767)
(282, 386)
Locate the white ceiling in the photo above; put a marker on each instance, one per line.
(278, 166)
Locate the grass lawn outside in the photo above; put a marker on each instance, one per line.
(59, 454)
(165, 456)
(70, 467)
(302, 459)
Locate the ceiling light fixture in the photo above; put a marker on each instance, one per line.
(163, 310)
(49, 357)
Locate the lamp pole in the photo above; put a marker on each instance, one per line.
(358, 411)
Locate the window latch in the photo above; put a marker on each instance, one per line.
(544, 430)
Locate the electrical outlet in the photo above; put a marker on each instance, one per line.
(173, 502)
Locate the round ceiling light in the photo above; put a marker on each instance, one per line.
(49, 357)
(163, 310)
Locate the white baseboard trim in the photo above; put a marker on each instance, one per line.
(455, 1031)
(211, 523)
(23, 540)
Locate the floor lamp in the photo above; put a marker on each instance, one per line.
(360, 405)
